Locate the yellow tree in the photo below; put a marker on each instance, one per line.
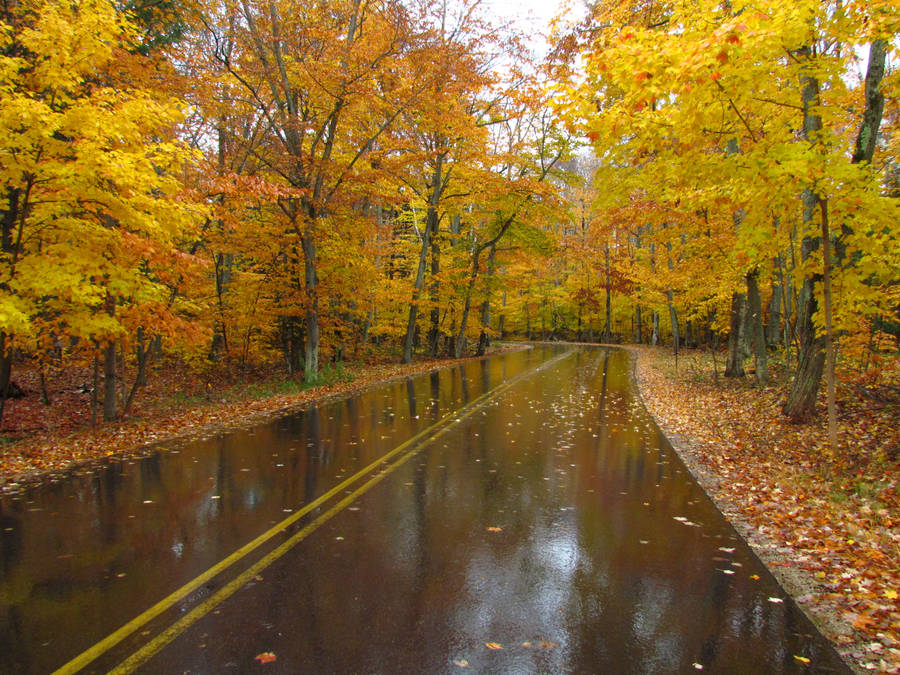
(729, 113)
(92, 209)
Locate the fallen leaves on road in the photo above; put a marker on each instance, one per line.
(826, 522)
(265, 657)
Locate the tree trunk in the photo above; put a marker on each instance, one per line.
(800, 406)
(801, 401)
(773, 326)
(460, 343)
(734, 366)
(430, 224)
(224, 265)
(638, 329)
(109, 381)
(654, 336)
(5, 370)
(434, 292)
(757, 333)
(311, 282)
(829, 336)
(95, 386)
(673, 317)
(607, 330)
(483, 338)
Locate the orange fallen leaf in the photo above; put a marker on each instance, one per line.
(265, 657)
(801, 659)
(863, 621)
(493, 645)
(495, 529)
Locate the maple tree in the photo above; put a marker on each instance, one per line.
(738, 129)
(93, 208)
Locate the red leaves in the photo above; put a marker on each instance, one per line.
(265, 657)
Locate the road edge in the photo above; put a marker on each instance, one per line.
(795, 581)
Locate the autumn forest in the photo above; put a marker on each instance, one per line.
(245, 186)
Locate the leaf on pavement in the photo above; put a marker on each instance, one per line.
(265, 657)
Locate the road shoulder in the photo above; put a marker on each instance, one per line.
(831, 551)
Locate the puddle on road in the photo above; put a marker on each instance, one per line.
(556, 523)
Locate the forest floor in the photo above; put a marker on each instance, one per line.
(39, 441)
(826, 523)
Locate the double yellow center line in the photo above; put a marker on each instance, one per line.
(405, 451)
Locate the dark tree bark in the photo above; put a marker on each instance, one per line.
(607, 329)
(734, 365)
(638, 330)
(773, 325)
(109, 382)
(431, 218)
(434, 291)
(801, 402)
(757, 334)
(483, 338)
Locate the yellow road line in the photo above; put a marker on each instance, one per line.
(176, 596)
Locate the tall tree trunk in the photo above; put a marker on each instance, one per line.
(6, 354)
(428, 232)
(460, 343)
(654, 336)
(734, 366)
(638, 329)
(670, 296)
(434, 291)
(607, 329)
(829, 337)
(757, 333)
(800, 406)
(773, 325)
(673, 317)
(9, 247)
(109, 381)
(801, 402)
(109, 368)
(224, 266)
(483, 338)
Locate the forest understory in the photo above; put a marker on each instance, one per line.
(827, 524)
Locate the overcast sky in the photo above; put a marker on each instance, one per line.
(531, 16)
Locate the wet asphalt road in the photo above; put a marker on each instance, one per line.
(527, 517)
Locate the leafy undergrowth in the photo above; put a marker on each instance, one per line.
(38, 440)
(827, 523)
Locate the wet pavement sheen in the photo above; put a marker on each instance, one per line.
(551, 530)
